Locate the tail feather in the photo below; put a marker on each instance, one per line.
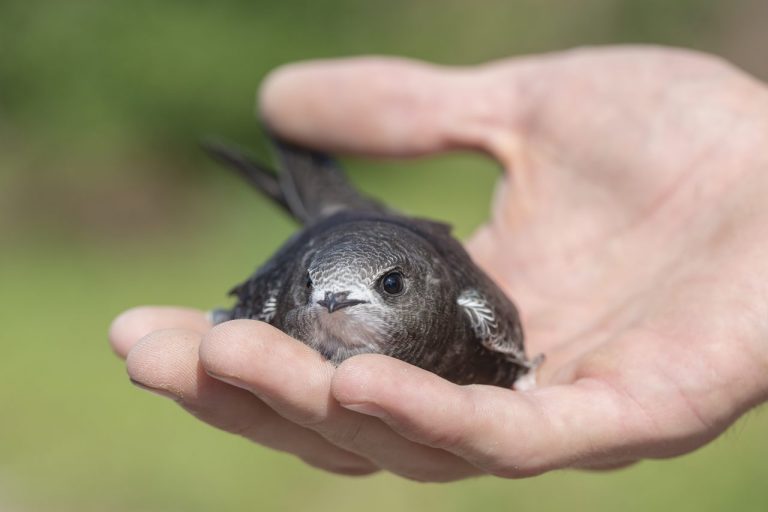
(257, 174)
(313, 184)
(309, 185)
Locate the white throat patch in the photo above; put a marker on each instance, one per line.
(356, 327)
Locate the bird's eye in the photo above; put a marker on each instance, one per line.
(309, 282)
(392, 283)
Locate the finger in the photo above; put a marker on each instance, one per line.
(132, 325)
(388, 106)
(295, 381)
(166, 362)
(504, 432)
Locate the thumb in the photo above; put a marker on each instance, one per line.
(390, 106)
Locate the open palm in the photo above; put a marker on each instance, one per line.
(631, 229)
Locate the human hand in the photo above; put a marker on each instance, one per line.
(630, 230)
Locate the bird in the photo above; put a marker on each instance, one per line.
(360, 277)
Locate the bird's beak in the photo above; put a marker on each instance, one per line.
(338, 300)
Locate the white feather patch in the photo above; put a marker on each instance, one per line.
(480, 314)
(486, 327)
(267, 312)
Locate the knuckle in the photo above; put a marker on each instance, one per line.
(449, 439)
(248, 430)
(310, 419)
(348, 436)
(257, 431)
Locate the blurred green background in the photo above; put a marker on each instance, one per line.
(106, 202)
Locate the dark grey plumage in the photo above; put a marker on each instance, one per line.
(360, 278)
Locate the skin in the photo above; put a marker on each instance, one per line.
(631, 229)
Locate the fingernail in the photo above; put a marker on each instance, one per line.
(156, 391)
(366, 408)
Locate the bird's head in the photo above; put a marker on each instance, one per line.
(378, 286)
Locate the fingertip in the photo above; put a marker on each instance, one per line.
(276, 90)
(164, 360)
(135, 323)
(128, 328)
(259, 357)
(356, 379)
(226, 344)
(119, 334)
(213, 346)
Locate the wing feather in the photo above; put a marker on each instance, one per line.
(492, 332)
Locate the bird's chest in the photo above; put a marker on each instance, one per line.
(337, 335)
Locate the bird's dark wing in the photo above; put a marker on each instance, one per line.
(435, 229)
(497, 331)
(259, 297)
(314, 186)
